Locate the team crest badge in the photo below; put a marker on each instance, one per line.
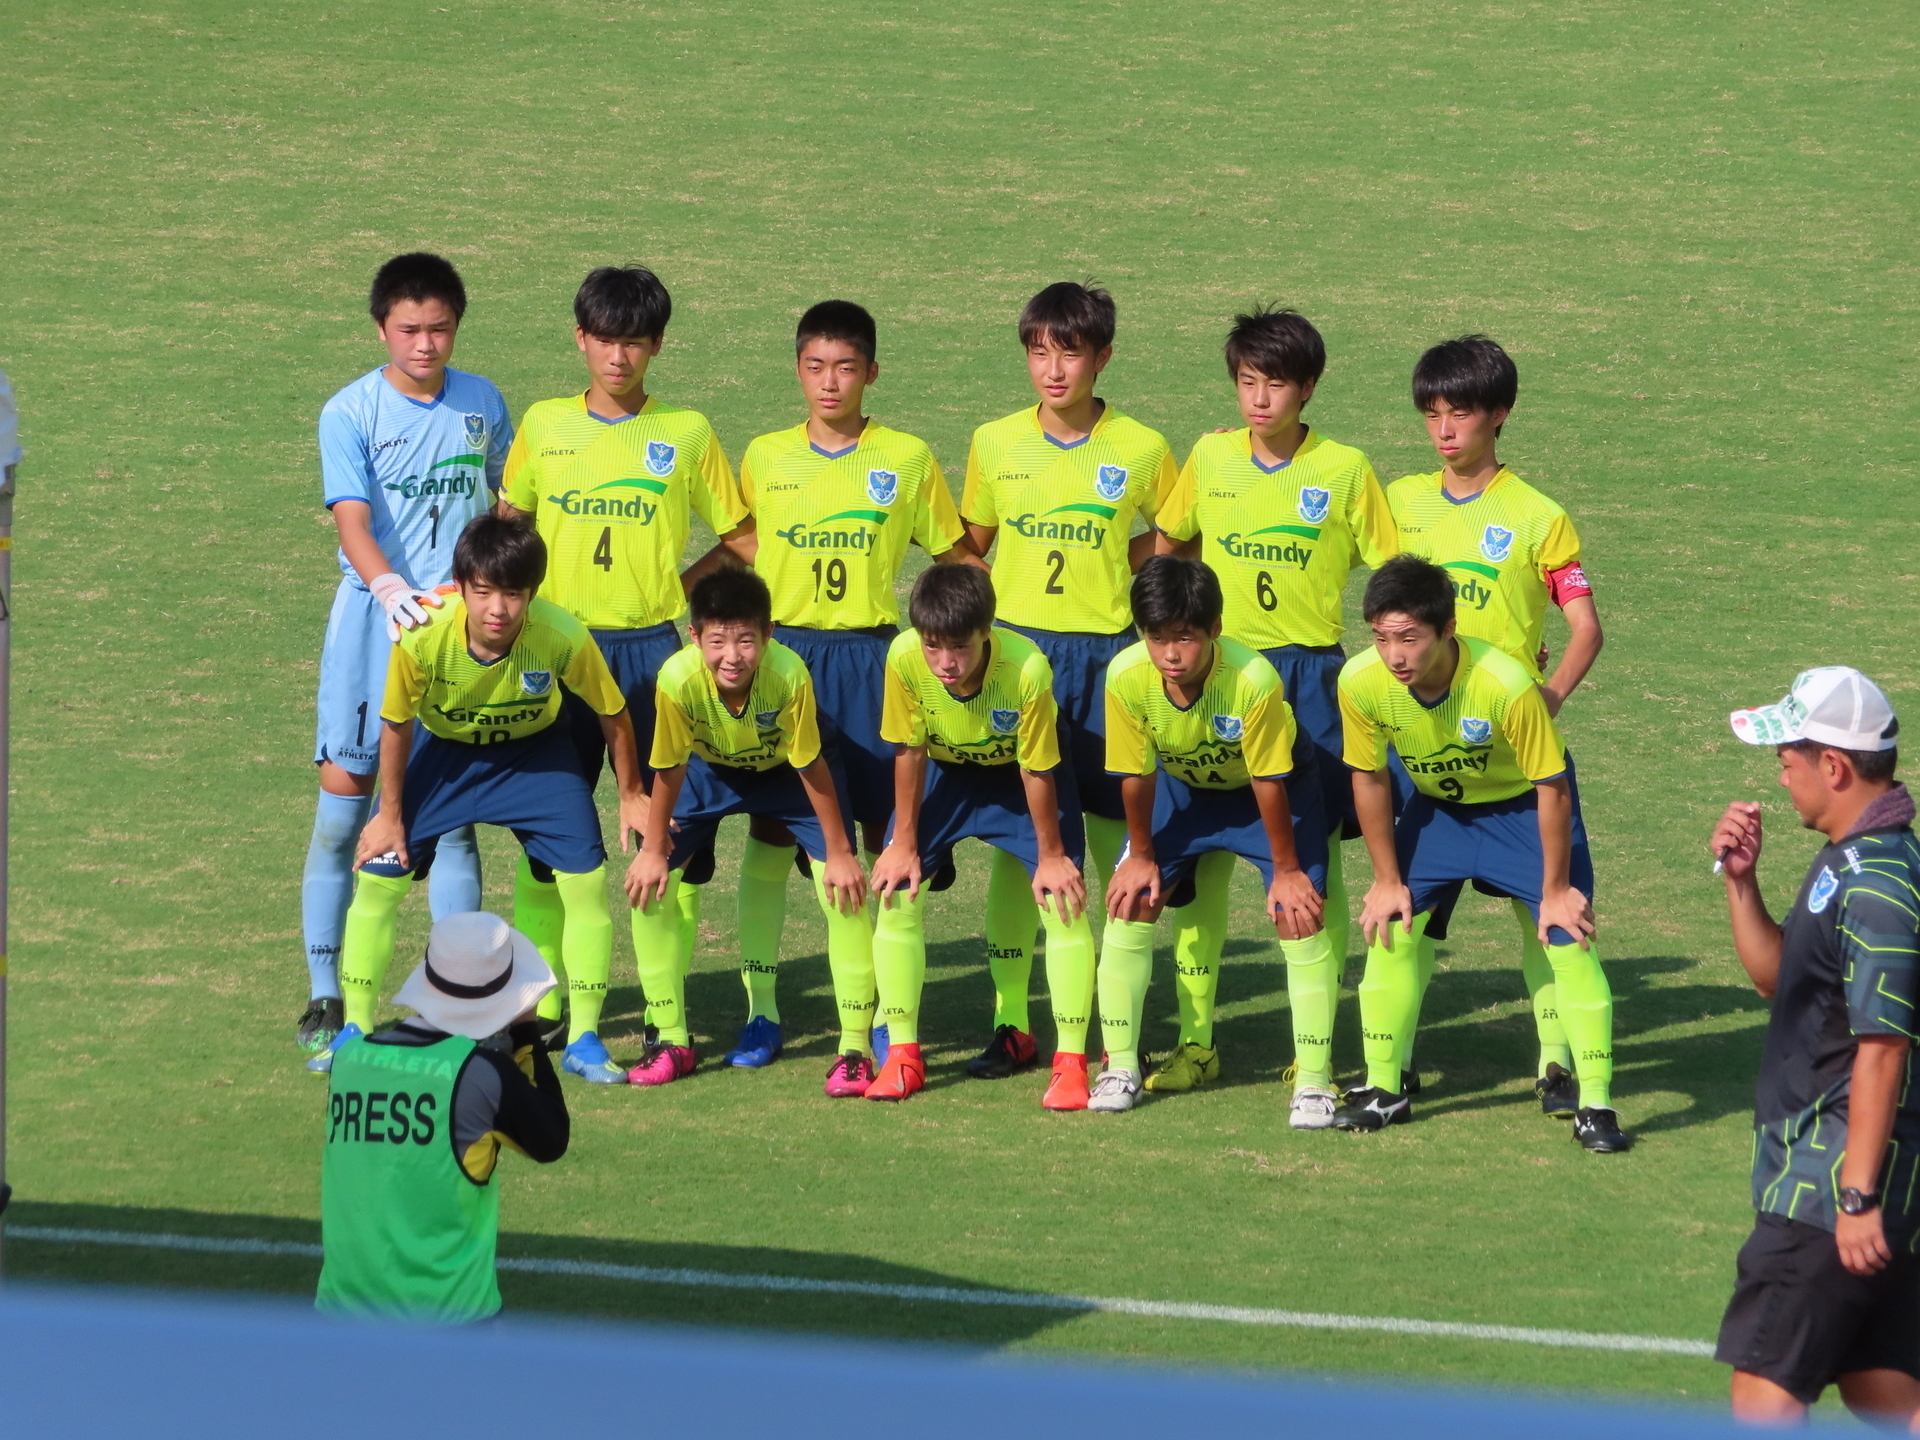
(1497, 543)
(1004, 722)
(882, 486)
(1474, 730)
(476, 431)
(1111, 481)
(1227, 727)
(536, 682)
(767, 719)
(1313, 504)
(660, 456)
(1825, 886)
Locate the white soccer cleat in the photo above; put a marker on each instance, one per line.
(1114, 1091)
(1313, 1107)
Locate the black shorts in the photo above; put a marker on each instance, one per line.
(1799, 1318)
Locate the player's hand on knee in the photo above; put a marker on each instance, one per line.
(647, 879)
(1862, 1241)
(1057, 882)
(898, 868)
(1135, 886)
(383, 835)
(1567, 910)
(633, 821)
(845, 885)
(1384, 905)
(1736, 839)
(1293, 905)
(406, 607)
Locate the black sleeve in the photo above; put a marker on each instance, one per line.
(494, 1094)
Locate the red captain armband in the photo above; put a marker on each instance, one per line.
(1569, 582)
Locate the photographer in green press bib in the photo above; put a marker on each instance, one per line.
(416, 1116)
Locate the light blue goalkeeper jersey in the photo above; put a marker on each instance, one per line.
(424, 470)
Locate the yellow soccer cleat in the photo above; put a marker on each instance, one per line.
(1188, 1068)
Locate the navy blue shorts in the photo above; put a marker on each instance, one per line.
(634, 657)
(1189, 822)
(531, 786)
(1080, 664)
(847, 666)
(989, 802)
(1311, 677)
(710, 793)
(1496, 845)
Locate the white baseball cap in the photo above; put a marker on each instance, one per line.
(1834, 705)
(479, 974)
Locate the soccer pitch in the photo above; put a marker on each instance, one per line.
(1689, 222)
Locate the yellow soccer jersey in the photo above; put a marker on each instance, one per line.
(612, 502)
(1065, 514)
(1282, 541)
(432, 677)
(834, 528)
(1010, 721)
(1490, 738)
(1499, 547)
(1240, 728)
(777, 726)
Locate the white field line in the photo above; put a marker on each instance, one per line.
(936, 1294)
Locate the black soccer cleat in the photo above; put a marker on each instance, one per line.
(1410, 1081)
(319, 1023)
(1558, 1092)
(1372, 1109)
(553, 1039)
(1599, 1131)
(1009, 1050)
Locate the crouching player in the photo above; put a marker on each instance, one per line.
(971, 709)
(1201, 730)
(483, 678)
(1490, 804)
(736, 732)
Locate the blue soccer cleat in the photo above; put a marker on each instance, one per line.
(588, 1058)
(322, 1064)
(759, 1044)
(880, 1045)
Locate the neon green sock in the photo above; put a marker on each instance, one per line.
(1105, 840)
(538, 915)
(1390, 1004)
(1336, 920)
(1125, 971)
(1013, 920)
(1586, 1009)
(1538, 973)
(1423, 975)
(762, 915)
(366, 946)
(1313, 991)
(657, 956)
(1199, 935)
(587, 946)
(900, 965)
(1070, 970)
(850, 962)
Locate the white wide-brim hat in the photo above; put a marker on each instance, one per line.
(478, 976)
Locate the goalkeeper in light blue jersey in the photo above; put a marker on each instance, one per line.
(409, 453)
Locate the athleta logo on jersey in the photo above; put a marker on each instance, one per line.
(1110, 482)
(1227, 727)
(660, 457)
(882, 486)
(536, 682)
(1475, 731)
(1314, 503)
(1497, 543)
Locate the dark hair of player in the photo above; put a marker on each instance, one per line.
(1170, 594)
(618, 302)
(1408, 585)
(1472, 372)
(1279, 344)
(419, 277)
(507, 554)
(951, 602)
(731, 595)
(840, 320)
(1079, 317)
(1872, 766)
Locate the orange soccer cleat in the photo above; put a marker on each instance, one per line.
(1068, 1088)
(904, 1073)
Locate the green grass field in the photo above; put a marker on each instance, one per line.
(1691, 223)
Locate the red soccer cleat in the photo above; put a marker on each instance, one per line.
(1068, 1088)
(904, 1073)
(662, 1065)
(852, 1074)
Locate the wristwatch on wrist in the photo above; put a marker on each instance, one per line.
(1858, 1202)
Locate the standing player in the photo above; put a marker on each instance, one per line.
(1200, 729)
(483, 680)
(409, 453)
(1060, 485)
(609, 478)
(970, 706)
(836, 500)
(1509, 550)
(1282, 514)
(1491, 804)
(737, 734)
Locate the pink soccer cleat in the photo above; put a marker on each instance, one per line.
(663, 1064)
(851, 1074)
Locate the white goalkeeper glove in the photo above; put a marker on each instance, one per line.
(403, 604)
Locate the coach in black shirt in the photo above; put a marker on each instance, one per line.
(1829, 1282)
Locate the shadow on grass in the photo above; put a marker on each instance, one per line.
(68, 1262)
